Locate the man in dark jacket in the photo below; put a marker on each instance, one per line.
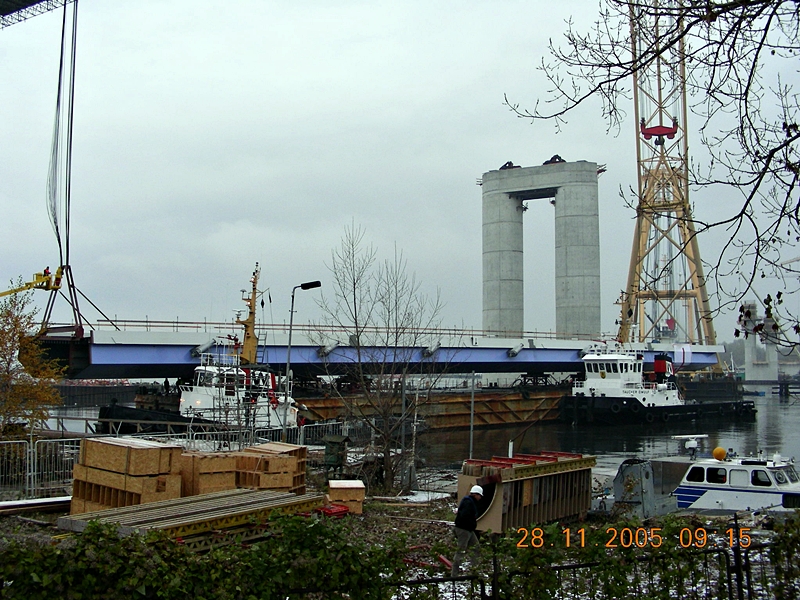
(465, 525)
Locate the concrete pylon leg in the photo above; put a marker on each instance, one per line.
(572, 187)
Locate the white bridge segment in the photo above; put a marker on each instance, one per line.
(572, 189)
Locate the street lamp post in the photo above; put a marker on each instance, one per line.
(303, 286)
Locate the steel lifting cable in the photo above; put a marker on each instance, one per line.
(70, 120)
(60, 157)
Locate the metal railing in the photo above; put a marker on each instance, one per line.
(43, 468)
(225, 327)
(37, 469)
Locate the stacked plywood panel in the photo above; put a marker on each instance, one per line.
(117, 472)
(349, 493)
(207, 472)
(274, 465)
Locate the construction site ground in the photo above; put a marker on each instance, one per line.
(425, 522)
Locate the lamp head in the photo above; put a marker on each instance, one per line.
(308, 285)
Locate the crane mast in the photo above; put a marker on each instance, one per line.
(665, 298)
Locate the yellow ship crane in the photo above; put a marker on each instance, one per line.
(249, 350)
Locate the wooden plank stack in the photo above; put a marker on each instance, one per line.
(121, 472)
(349, 493)
(115, 472)
(274, 465)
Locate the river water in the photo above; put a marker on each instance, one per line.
(776, 429)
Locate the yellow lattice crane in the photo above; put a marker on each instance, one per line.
(665, 298)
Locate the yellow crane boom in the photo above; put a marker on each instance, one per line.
(41, 281)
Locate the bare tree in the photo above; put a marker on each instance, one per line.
(26, 375)
(740, 58)
(382, 329)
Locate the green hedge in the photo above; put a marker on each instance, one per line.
(299, 553)
(312, 557)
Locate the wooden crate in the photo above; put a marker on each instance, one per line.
(344, 490)
(209, 462)
(207, 483)
(77, 506)
(95, 506)
(130, 456)
(142, 484)
(263, 481)
(300, 452)
(354, 506)
(266, 463)
(204, 473)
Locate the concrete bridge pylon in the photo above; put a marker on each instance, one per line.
(572, 189)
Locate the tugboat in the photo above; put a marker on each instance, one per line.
(615, 392)
(229, 389)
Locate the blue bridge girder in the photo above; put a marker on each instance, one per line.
(130, 355)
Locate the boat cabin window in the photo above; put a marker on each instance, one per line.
(759, 477)
(740, 478)
(780, 477)
(790, 473)
(614, 367)
(716, 475)
(695, 474)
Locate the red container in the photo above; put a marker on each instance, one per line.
(336, 511)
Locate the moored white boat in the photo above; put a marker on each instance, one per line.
(225, 391)
(615, 391)
(731, 483)
(230, 386)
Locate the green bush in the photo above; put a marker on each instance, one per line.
(298, 554)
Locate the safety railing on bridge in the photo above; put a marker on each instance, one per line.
(267, 331)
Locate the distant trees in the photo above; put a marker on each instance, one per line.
(741, 60)
(26, 374)
(375, 323)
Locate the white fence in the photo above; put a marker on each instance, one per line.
(43, 468)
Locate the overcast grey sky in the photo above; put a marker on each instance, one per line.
(209, 136)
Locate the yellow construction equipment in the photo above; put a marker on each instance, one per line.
(41, 281)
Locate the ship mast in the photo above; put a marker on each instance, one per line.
(665, 298)
(249, 351)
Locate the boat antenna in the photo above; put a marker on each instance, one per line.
(271, 317)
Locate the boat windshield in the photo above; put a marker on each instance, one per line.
(785, 474)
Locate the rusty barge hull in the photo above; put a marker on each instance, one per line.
(494, 407)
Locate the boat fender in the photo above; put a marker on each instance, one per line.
(649, 417)
(665, 417)
(615, 408)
